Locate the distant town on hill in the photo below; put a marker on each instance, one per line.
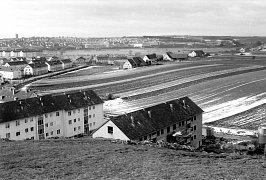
(170, 41)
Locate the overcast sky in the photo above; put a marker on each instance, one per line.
(106, 18)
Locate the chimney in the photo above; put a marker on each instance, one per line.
(184, 103)
(132, 120)
(171, 107)
(149, 113)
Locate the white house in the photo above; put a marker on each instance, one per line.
(174, 121)
(59, 115)
(16, 64)
(66, 63)
(10, 73)
(36, 69)
(129, 64)
(54, 65)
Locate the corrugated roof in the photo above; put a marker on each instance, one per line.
(53, 63)
(48, 103)
(66, 60)
(38, 65)
(152, 56)
(138, 124)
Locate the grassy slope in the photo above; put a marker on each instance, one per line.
(98, 159)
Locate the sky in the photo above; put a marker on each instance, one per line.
(112, 18)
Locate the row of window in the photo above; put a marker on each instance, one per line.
(17, 134)
(85, 111)
(18, 122)
(74, 120)
(51, 114)
(52, 133)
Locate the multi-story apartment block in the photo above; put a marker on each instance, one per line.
(59, 115)
(178, 121)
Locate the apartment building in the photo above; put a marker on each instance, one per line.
(178, 121)
(56, 115)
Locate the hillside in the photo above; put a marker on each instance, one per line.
(101, 159)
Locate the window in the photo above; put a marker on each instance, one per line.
(75, 128)
(26, 120)
(40, 131)
(70, 122)
(93, 107)
(194, 118)
(51, 123)
(31, 119)
(26, 130)
(90, 124)
(145, 138)
(168, 129)
(183, 123)
(78, 119)
(78, 110)
(32, 137)
(93, 115)
(17, 133)
(140, 139)
(89, 116)
(7, 135)
(75, 120)
(195, 128)
(69, 113)
(74, 111)
(162, 131)
(40, 122)
(17, 123)
(7, 125)
(195, 136)
(79, 128)
(46, 125)
(46, 115)
(180, 124)
(89, 108)
(31, 129)
(110, 129)
(52, 132)
(47, 134)
(174, 127)
(51, 114)
(57, 113)
(58, 131)
(158, 133)
(93, 123)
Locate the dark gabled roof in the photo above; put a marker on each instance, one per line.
(48, 103)
(66, 61)
(199, 52)
(152, 56)
(138, 124)
(172, 55)
(117, 58)
(38, 65)
(102, 57)
(7, 94)
(16, 63)
(139, 61)
(53, 63)
(81, 58)
(132, 62)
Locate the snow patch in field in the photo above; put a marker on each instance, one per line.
(233, 107)
(113, 103)
(240, 132)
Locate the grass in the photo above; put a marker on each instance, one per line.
(100, 159)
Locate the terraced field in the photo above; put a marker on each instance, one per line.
(222, 87)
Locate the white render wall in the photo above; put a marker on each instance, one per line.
(95, 116)
(127, 65)
(102, 132)
(52, 123)
(13, 129)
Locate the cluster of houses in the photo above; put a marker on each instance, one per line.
(77, 113)
(17, 68)
(168, 56)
